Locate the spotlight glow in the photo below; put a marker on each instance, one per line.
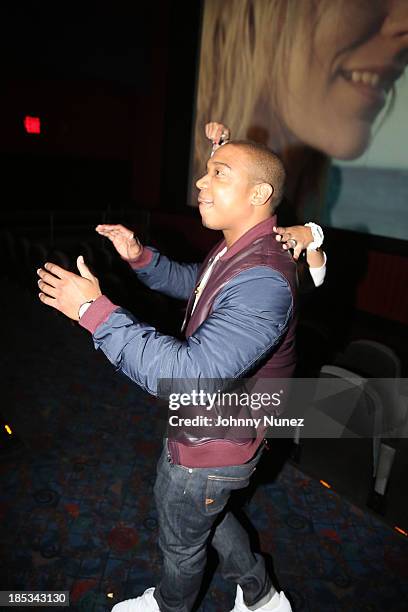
(401, 530)
(325, 484)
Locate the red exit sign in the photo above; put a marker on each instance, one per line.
(32, 125)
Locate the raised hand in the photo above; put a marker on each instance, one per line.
(66, 291)
(218, 133)
(296, 237)
(123, 239)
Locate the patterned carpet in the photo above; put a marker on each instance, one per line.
(76, 503)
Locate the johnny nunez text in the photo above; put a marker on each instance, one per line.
(206, 421)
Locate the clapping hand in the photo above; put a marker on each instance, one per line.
(66, 291)
(123, 239)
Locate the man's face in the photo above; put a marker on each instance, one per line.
(225, 191)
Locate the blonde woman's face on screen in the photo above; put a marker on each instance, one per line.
(339, 76)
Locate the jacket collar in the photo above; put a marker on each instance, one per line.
(261, 229)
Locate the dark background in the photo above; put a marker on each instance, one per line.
(114, 85)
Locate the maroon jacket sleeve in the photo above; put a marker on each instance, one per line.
(98, 312)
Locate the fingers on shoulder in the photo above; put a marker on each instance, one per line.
(279, 229)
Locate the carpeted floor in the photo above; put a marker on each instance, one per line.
(76, 501)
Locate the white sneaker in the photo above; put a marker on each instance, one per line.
(144, 603)
(283, 605)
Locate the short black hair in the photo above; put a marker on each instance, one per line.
(267, 167)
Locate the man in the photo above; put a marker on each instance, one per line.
(240, 321)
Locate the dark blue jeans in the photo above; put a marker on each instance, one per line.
(190, 504)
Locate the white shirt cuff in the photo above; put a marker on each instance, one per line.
(318, 274)
(83, 309)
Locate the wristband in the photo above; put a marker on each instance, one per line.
(318, 236)
(84, 307)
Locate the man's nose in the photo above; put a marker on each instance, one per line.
(201, 182)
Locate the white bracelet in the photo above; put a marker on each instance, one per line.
(318, 236)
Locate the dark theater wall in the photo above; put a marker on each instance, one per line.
(100, 77)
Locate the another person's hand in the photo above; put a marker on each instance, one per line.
(217, 133)
(296, 237)
(123, 239)
(66, 291)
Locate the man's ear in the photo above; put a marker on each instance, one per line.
(261, 194)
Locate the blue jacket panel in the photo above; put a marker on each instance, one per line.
(248, 318)
(174, 279)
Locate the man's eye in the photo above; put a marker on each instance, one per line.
(217, 172)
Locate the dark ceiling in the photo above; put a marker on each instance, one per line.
(105, 41)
